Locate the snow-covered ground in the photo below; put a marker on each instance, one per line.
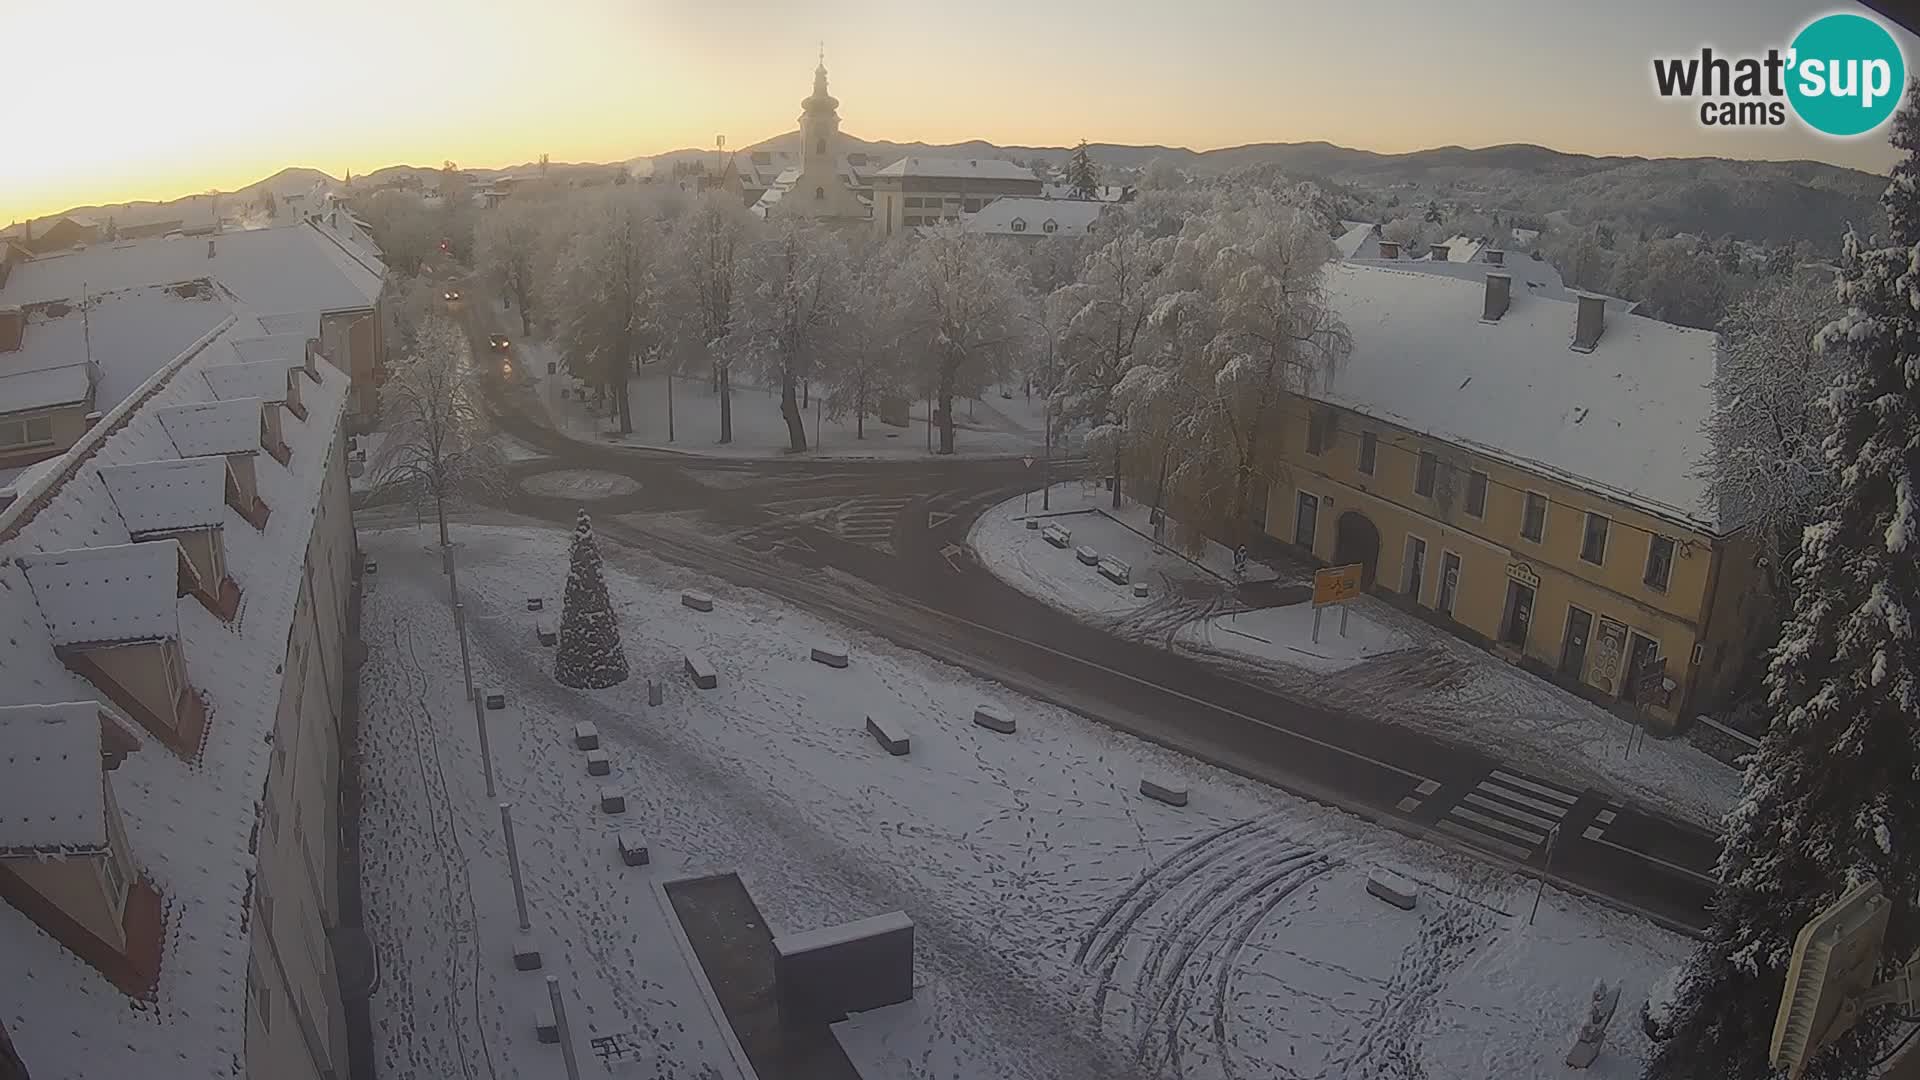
(1392, 666)
(1066, 926)
(994, 427)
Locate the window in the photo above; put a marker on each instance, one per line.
(819, 193)
(1593, 544)
(1477, 493)
(30, 431)
(114, 878)
(1423, 477)
(1049, 226)
(820, 147)
(1369, 448)
(1659, 562)
(1533, 519)
(972, 206)
(1305, 519)
(1316, 431)
(912, 219)
(1019, 224)
(913, 201)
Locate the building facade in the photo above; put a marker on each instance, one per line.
(1499, 513)
(817, 188)
(921, 191)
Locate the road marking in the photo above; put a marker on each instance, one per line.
(1553, 793)
(1519, 815)
(935, 519)
(1604, 817)
(1482, 840)
(1497, 825)
(1408, 805)
(1555, 810)
(1592, 833)
(1428, 787)
(1657, 861)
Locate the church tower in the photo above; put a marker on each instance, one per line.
(820, 190)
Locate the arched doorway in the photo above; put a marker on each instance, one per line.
(1356, 540)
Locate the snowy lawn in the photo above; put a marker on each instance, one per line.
(1393, 667)
(1066, 926)
(758, 428)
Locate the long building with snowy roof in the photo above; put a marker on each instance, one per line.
(1523, 464)
(175, 587)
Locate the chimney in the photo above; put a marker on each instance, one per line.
(13, 327)
(1588, 325)
(1496, 257)
(1439, 252)
(1389, 249)
(209, 249)
(1499, 292)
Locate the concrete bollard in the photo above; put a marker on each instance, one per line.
(1166, 791)
(831, 653)
(698, 601)
(654, 695)
(992, 719)
(598, 763)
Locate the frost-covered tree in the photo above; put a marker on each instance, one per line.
(964, 315)
(1107, 312)
(793, 289)
(605, 292)
(435, 445)
(507, 247)
(864, 363)
(1830, 797)
(404, 227)
(589, 656)
(1764, 466)
(1161, 175)
(1246, 321)
(1083, 176)
(711, 241)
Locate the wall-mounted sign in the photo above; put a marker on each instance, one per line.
(1524, 574)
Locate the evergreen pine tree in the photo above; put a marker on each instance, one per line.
(1831, 796)
(589, 656)
(1083, 176)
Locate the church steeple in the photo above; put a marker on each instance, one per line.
(820, 101)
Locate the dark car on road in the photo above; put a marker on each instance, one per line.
(499, 342)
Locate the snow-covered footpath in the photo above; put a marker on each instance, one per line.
(1391, 666)
(1067, 927)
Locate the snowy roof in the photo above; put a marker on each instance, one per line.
(278, 346)
(1073, 217)
(187, 822)
(295, 267)
(128, 335)
(1101, 192)
(1623, 419)
(263, 379)
(1357, 238)
(154, 496)
(213, 427)
(50, 794)
(1536, 277)
(959, 168)
(304, 323)
(125, 592)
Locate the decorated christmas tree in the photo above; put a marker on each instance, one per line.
(590, 656)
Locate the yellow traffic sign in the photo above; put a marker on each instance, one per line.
(1336, 584)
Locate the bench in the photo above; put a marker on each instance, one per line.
(1033, 523)
(1087, 555)
(526, 954)
(496, 699)
(544, 632)
(992, 719)
(536, 603)
(1166, 791)
(612, 800)
(830, 653)
(544, 1026)
(633, 849)
(1057, 535)
(598, 763)
(701, 670)
(890, 735)
(1115, 571)
(586, 736)
(1394, 889)
(698, 601)
(1139, 588)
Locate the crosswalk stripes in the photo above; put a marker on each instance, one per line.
(1509, 814)
(868, 519)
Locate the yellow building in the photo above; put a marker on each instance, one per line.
(1524, 470)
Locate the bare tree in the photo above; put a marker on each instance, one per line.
(435, 445)
(507, 247)
(605, 293)
(793, 290)
(1107, 311)
(864, 366)
(1764, 465)
(965, 313)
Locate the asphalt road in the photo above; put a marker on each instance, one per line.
(880, 545)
